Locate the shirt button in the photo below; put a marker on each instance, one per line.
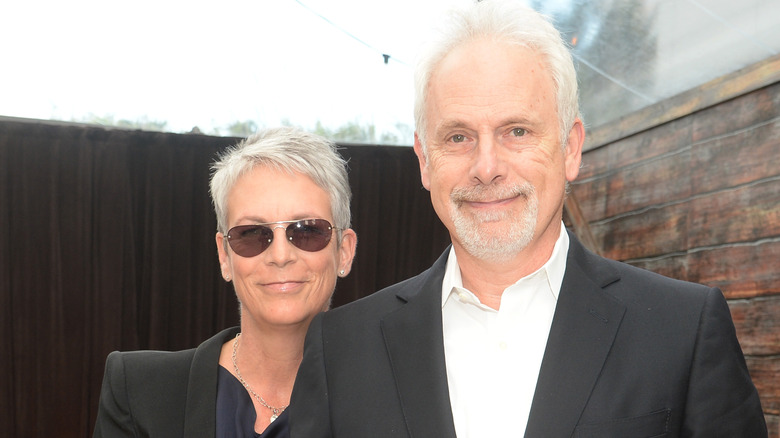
(463, 297)
(502, 345)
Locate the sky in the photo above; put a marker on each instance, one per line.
(208, 64)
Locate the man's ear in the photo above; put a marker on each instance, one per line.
(573, 152)
(423, 160)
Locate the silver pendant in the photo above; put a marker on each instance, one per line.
(274, 417)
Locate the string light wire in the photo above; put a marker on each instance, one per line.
(385, 56)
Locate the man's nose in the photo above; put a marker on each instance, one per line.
(487, 166)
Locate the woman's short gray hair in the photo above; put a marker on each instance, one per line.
(291, 150)
(506, 21)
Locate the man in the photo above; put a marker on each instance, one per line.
(517, 330)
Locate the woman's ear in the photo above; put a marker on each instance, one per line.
(347, 251)
(224, 259)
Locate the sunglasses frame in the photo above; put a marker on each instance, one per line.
(290, 228)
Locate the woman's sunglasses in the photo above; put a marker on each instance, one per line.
(307, 234)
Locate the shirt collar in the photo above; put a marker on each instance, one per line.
(554, 268)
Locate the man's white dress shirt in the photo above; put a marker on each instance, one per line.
(493, 356)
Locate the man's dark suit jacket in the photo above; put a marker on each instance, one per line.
(161, 394)
(630, 354)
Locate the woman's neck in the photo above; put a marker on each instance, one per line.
(266, 363)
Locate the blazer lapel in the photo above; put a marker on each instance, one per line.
(201, 406)
(584, 326)
(415, 345)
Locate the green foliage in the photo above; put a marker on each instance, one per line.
(350, 132)
(143, 123)
(242, 129)
(355, 132)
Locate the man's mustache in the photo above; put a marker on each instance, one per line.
(492, 192)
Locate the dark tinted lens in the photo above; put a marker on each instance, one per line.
(310, 234)
(250, 240)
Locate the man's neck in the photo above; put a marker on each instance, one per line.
(488, 279)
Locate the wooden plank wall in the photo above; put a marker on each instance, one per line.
(697, 197)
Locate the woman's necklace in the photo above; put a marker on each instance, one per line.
(274, 411)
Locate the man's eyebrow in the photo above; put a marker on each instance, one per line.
(518, 120)
(448, 125)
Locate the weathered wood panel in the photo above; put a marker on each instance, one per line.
(773, 424)
(717, 164)
(732, 160)
(758, 327)
(733, 115)
(745, 214)
(696, 196)
(740, 271)
(650, 233)
(636, 149)
(637, 187)
(593, 197)
(764, 371)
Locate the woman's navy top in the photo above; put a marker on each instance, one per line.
(236, 413)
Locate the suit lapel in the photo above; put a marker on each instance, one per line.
(201, 406)
(415, 345)
(584, 326)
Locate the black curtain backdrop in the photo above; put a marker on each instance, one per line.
(107, 243)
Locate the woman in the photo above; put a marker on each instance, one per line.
(282, 203)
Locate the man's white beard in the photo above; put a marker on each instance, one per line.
(494, 235)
